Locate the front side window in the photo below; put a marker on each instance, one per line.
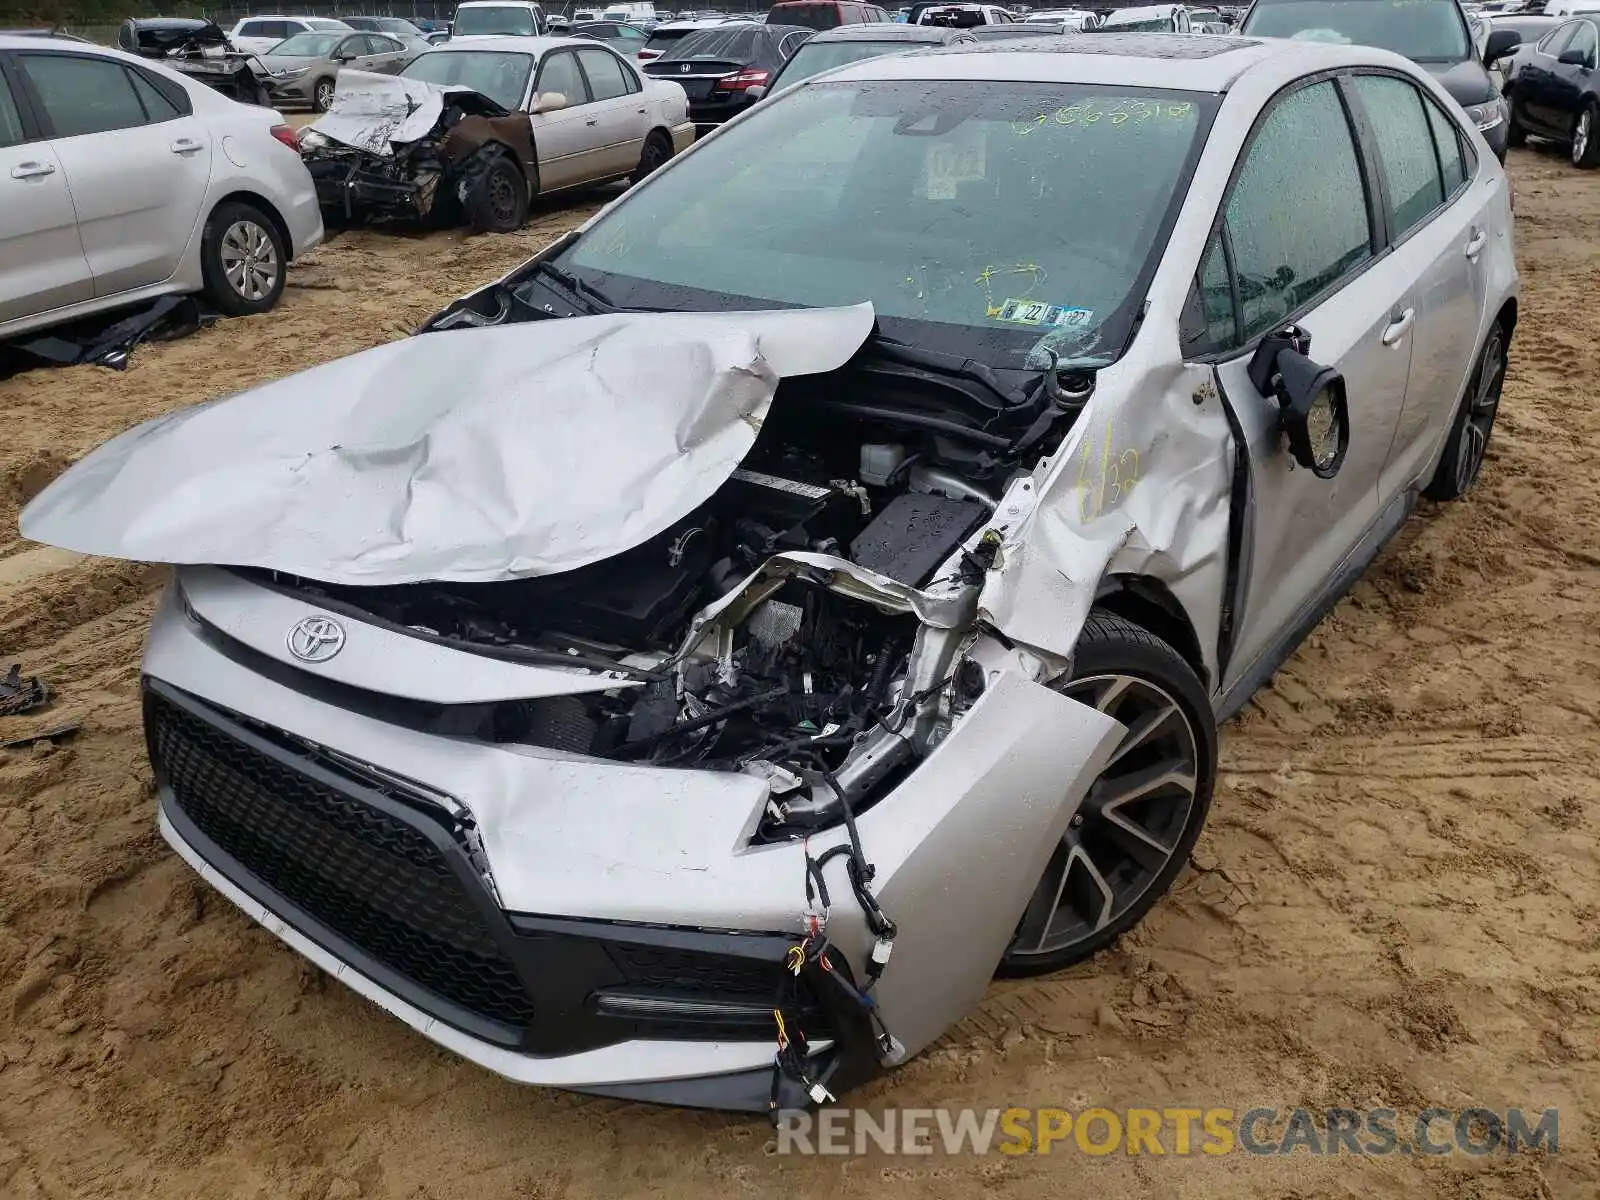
(559, 73)
(83, 95)
(1297, 219)
(1421, 30)
(1556, 41)
(10, 118)
(607, 79)
(501, 75)
(1584, 40)
(1405, 144)
(979, 217)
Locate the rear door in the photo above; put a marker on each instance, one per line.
(618, 116)
(1296, 241)
(564, 139)
(385, 54)
(42, 264)
(137, 164)
(1438, 229)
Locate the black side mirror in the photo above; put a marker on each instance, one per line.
(1312, 410)
(1574, 58)
(1501, 43)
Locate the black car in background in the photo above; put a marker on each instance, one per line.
(717, 67)
(1553, 88)
(1431, 33)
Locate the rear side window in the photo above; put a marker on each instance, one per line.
(83, 95)
(156, 106)
(1447, 140)
(1296, 221)
(1405, 144)
(10, 119)
(812, 16)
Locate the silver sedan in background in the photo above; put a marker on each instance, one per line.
(304, 69)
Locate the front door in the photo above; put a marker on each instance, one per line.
(137, 166)
(1295, 244)
(565, 138)
(41, 257)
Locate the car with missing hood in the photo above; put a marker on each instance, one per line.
(486, 125)
(690, 668)
(1431, 33)
(201, 51)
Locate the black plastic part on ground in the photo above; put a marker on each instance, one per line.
(107, 340)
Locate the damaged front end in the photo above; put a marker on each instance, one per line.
(393, 149)
(200, 50)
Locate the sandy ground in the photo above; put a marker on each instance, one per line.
(1396, 902)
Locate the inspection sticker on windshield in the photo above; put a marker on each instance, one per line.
(1037, 312)
(952, 162)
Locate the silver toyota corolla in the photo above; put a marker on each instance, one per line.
(691, 668)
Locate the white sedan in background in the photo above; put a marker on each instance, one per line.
(122, 180)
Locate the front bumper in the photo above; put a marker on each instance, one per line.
(350, 187)
(583, 924)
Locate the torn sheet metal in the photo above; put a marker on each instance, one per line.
(375, 112)
(491, 454)
(1140, 486)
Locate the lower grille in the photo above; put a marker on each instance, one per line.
(372, 879)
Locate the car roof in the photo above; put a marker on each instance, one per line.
(1142, 10)
(884, 31)
(512, 44)
(1199, 62)
(31, 41)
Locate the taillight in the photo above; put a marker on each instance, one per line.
(286, 135)
(747, 78)
(647, 55)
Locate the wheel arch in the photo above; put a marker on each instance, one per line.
(267, 209)
(1150, 604)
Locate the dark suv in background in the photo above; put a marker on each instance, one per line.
(1431, 33)
(826, 14)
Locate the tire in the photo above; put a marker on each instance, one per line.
(1092, 859)
(1585, 148)
(243, 260)
(1516, 135)
(496, 200)
(657, 150)
(1464, 448)
(322, 95)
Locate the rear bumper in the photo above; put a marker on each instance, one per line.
(708, 114)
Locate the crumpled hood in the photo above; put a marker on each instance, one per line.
(476, 455)
(376, 113)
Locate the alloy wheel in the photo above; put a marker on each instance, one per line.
(324, 96)
(1582, 134)
(1131, 822)
(249, 260)
(1481, 408)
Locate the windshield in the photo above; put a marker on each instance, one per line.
(308, 45)
(1421, 30)
(507, 20)
(1162, 23)
(815, 57)
(501, 75)
(979, 217)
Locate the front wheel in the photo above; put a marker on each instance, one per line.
(322, 95)
(497, 200)
(657, 150)
(1586, 138)
(1140, 818)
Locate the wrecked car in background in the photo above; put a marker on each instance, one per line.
(201, 51)
(477, 130)
(672, 677)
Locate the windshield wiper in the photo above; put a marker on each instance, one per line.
(591, 297)
(951, 365)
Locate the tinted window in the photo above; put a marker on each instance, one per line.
(559, 73)
(663, 40)
(941, 201)
(812, 16)
(605, 72)
(734, 44)
(10, 119)
(1297, 219)
(84, 95)
(516, 21)
(1584, 39)
(1423, 30)
(500, 75)
(1405, 143)
(156, 106)
(1447, 138)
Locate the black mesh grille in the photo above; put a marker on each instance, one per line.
(368, 876)
(713, 975)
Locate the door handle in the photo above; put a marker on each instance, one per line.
(32, 170)
(1476, 243)
(592, 121)
(1399, 322)
(185, 146)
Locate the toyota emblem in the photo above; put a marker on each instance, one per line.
(316, 639)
